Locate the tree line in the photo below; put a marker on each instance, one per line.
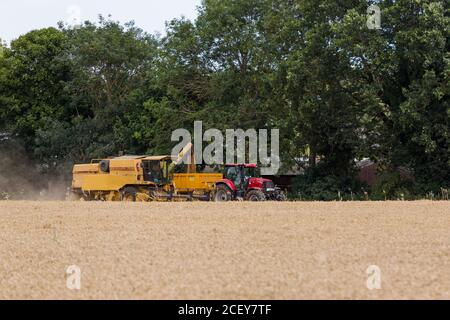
(337, 90)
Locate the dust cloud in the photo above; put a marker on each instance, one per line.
(23, 179)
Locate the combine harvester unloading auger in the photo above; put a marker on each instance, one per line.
(152, 178)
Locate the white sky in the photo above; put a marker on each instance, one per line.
(17, 17)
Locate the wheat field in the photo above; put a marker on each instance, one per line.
(225, 251)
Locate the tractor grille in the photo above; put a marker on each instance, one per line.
(269, 185)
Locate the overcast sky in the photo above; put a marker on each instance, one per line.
(20, 16)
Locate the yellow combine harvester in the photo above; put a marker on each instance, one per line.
(141, 178)
(127, 178)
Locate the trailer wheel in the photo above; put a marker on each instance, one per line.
(223, 194)
(255, 195)
(128, 194)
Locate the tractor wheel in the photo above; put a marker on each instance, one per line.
(255, 195)
(223, 194)
(128, 194)
(281, 196)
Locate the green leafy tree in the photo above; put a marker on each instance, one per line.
(217, 69)
(180, 87)
(403, 69)
(111, 66)
(32, 84)
(321, 109)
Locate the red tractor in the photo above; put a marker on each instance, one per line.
(241, 182)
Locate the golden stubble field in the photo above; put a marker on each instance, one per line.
(225, 251)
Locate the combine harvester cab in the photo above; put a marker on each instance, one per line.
(127, 178)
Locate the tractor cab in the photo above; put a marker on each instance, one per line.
(157, 169)
(240, 175)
